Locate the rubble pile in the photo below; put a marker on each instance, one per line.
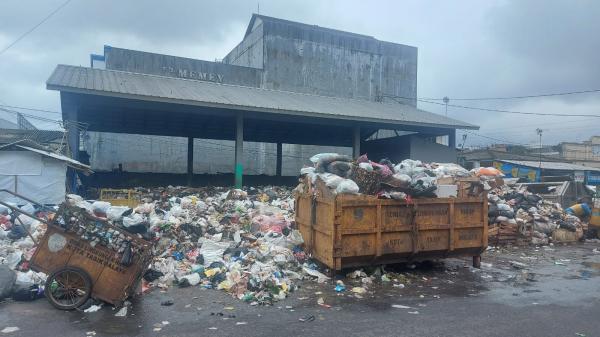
(17, 247)
(239, 241)
(519, 215)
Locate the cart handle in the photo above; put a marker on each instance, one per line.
(26, 199)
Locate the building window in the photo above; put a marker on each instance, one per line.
(596, 150)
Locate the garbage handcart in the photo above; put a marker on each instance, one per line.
(85, 256)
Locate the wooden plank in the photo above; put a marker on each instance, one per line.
(378, 243)
(451, 229)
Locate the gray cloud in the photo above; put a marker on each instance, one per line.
(466, 49)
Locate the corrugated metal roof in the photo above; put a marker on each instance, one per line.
(202, 93)
(70, 162)
(548, 165)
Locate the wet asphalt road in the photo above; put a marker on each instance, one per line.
(557, 294)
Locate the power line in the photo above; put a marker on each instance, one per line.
(492, 138)
(35, 27)
(508, 111)
(488, 109)
(30, 109)
(516, 97)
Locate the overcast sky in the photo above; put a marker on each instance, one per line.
(466, 49)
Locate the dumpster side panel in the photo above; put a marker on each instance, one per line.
(470, 220)
(363, 230)
(322, 232)
(303, 219)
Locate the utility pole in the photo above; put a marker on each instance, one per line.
(539, 132)
(446, 100)
(464, 140)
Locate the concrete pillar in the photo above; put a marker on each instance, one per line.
(70, 118)
(190, 160)
(356, 142)
(279, 159)
(452, 139)
(239, 150)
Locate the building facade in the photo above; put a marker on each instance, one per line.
(274, 54)
(586, 153)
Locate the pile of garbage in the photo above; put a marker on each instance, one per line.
(408, 179)
(17, 235)
(519, 214)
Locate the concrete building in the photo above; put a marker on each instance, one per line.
(284, 91)
(586, 153)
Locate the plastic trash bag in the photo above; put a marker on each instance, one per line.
(28, 208)
(193, 279)
(321, 160)
(100, 206)
(340, 168)
(132, 220)
(403, 179)
(488, 171)
(321, 278)
(115, 213)
(307, 170)
(366, 166)
(331, 180)
(295, 238)
(347, 186)
(212, 251)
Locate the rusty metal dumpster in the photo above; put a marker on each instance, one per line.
(360, 230)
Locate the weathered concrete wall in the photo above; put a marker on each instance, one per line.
(249, 52)
(321, 61)
(408, 147)
(173, 66)
(310, 59)
(428, 151)
(162, 154)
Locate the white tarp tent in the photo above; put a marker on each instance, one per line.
(33, 175)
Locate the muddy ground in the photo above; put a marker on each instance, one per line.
(555, 293)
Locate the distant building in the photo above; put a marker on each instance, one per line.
(536, 171)
(288, 89)
(586, 153)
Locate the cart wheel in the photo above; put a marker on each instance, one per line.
(477, 261)
(68, 288)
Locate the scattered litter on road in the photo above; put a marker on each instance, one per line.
(518, 265)
(359, 290)
(307, 318)
(93, 308)
(10, 329)
(398, 306)
(122, 312)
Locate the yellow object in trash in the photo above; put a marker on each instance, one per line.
(212, 272)
(595, 219)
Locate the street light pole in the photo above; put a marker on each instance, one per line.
(539, 132)
(446, 100)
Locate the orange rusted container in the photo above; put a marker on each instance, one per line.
(361, 230)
